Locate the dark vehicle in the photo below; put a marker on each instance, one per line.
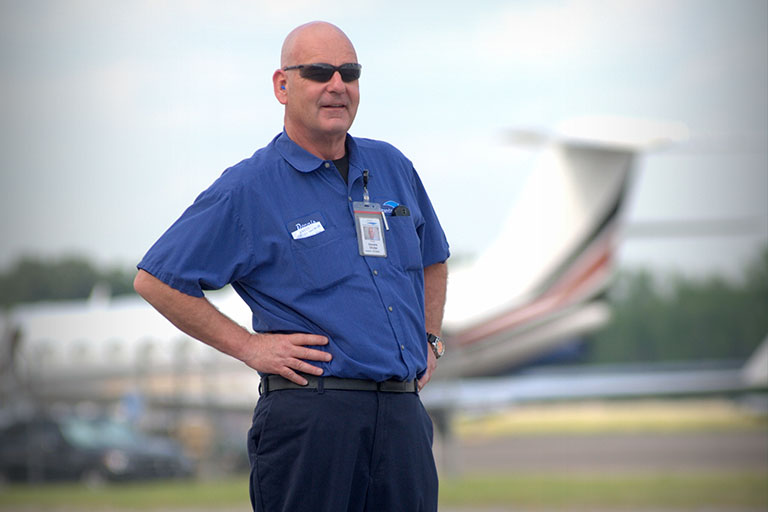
(93, 451)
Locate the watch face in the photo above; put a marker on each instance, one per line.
(437, 345)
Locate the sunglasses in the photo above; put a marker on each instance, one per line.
(323, 72)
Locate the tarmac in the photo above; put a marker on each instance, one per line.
(596, 453)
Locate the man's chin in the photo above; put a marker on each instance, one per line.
(336, 126)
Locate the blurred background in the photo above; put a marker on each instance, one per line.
(116, 115)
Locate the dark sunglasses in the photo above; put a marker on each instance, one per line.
(323, 72)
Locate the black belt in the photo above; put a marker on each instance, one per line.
(277, 383)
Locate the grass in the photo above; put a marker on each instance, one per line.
(609, 492)
(603, 417)
(208, 495)
(688, 491)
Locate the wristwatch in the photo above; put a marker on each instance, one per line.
(436, 342)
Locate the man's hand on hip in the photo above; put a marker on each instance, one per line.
(285, 354)
(431, 367)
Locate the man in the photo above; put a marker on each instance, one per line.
(341, 321)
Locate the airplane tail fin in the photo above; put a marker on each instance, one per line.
(555, 249)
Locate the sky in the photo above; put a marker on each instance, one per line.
(115, 115)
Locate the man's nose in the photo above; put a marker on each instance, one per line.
(336, 83)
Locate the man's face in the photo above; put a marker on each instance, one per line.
(316, 110)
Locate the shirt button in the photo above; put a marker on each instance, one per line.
(375, 272)
(390, 308)
(349, 197)
(402, 347)
(327, 165)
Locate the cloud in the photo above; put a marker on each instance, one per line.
(563, 30)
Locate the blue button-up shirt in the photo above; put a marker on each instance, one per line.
(240, 231)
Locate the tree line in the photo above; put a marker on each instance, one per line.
(676, 318)
(33, 279)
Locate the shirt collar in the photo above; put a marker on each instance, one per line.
(304, 161)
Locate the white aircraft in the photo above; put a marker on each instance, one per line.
(101, 350)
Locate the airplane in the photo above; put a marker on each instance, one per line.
(102, 350)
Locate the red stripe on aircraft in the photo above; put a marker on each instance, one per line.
(590, 271)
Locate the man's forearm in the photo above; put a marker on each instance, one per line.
(195, 316)
(435, 283)
(281, 354)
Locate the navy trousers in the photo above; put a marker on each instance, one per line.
(341, 451)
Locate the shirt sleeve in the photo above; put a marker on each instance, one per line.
(205, 249)
(434, 245)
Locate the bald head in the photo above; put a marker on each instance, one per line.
(318, 113)
(311, 36)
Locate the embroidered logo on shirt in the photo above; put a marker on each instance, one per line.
(307, 229)
(388, 206)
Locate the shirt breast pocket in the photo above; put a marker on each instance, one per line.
(404, 243)
(318, 252)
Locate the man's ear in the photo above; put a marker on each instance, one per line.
(280, 86)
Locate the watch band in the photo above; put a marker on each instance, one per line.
(437, 344)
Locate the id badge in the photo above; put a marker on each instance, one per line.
(370, 226)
